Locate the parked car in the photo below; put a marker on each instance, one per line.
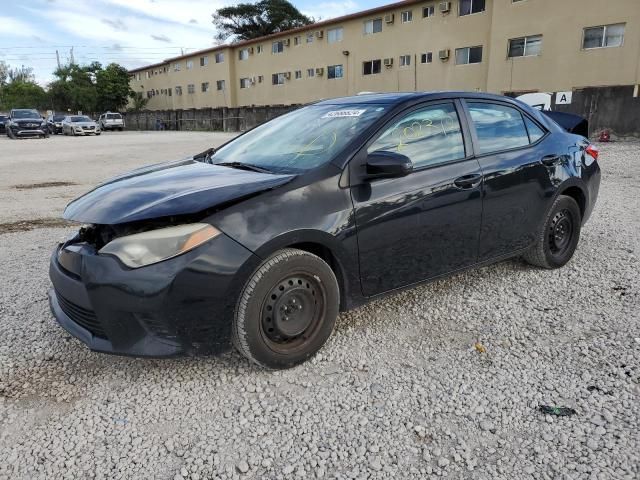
(111, 121)
(3, 119)
(262, 242)
(26, 122)
(54, 123)
(79, 125)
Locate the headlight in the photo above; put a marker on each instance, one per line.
(145, 248)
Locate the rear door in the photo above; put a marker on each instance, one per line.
(517, 163)
(427, 223)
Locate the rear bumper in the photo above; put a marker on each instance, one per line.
(181, 306)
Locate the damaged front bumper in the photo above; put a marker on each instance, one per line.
(179, 306)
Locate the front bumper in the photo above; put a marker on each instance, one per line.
(180, 306)
(83, 131)
(28, 132)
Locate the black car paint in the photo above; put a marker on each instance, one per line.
(378, 235)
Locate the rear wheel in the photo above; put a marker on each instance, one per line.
(559, 235)
(287, 309)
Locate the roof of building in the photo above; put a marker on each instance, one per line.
(313, 26)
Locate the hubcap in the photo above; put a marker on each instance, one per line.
(560, 232)
(292, 311)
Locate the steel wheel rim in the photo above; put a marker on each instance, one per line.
(292, 312)
(560, 233)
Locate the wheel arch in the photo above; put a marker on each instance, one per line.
(573, 188)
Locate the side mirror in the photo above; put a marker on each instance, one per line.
(385, 164)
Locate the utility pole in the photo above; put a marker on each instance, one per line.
(58, 58)
(72, 60)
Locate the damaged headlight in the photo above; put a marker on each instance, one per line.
(145, 248)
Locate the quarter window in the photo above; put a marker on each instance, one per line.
(525, 46)
(535, 132)
(373, 26)
(335, 35)
(467, 7)
(468, 55)
(334, 71)
(498, 127)
(371, 67)
(604, 36)
(428, 136)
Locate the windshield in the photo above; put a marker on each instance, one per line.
(81, 119)
(58, 118)
(300, 140)
(25, 114)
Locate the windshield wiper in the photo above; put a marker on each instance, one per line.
(244, 166)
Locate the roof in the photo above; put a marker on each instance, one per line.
(401, 97)
(313, 26)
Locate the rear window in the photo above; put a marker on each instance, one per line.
(498, 127)
(114, 116)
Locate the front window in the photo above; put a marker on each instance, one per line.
(371, 67)
(303, 139)
(372, 26)
(468, 55)
(25, 114)
(277, 47)
(525, 46)
(468, 7)
(604, 36)
(55, 118)
(334, 71)
(334, 35)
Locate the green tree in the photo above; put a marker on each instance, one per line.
(138, 101)
(112, 87)
(245, 21)
(75, 87)
(23, 94)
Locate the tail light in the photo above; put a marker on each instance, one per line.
(592, 151)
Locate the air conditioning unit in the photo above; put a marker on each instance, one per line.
(250, 49)
(444, 7)
(286, 42)
(389, 18)
(388, 62)
(320, 71)
(287, 75)
(319, 34)
(444, 54)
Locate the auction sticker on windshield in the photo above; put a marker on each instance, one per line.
(343, 113)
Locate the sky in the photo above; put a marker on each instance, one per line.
(133, 33)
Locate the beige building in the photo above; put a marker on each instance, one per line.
(499, 46)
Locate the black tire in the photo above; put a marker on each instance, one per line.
(10, 134)
(558, 237)
(287, 309)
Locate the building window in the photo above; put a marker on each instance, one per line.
(204, 61)
(219, 57)
(334, 71)
(277, 47)
(468, 7)
(245, 82)
(373, 26)
(219, 85)
(335, 34)
(259, 49)
(205, 87)
(407, 16)
(277, 79)
(243, 54)
(311, 72)
(178, 90)
(428, 12)
(426, 57)
(310, 37)
(297, 40)
(176, 67)
(405, 60)
(147, 75)
(260, 78)
(468, 55)
(189, 64)
(525, 46)
(169, 91)
(371, 67)
(191, 88)
(604, 36)
(298, 74)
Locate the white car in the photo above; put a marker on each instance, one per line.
(79, 125)
(111, 121)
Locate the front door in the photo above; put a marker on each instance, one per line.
(427, 223)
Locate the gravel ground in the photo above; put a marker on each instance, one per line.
(441, 380)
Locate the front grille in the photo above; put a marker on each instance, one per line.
(82, 316)
(88, 128)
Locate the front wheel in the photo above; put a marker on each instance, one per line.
(287, 309)
(559, 235)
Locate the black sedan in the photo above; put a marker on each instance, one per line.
(263, 241)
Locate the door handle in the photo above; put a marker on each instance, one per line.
(550, 160)
(468, 181)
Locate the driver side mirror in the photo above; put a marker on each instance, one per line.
(385, 164)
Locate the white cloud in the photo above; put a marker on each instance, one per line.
(17, 28)
(328, 10)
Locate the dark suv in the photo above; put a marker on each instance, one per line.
(54, 123)
(26, 122)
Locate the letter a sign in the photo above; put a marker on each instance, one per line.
(563, 98)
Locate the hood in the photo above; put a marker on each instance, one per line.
(173, 188)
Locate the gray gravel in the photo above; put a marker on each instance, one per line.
(403, 389)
